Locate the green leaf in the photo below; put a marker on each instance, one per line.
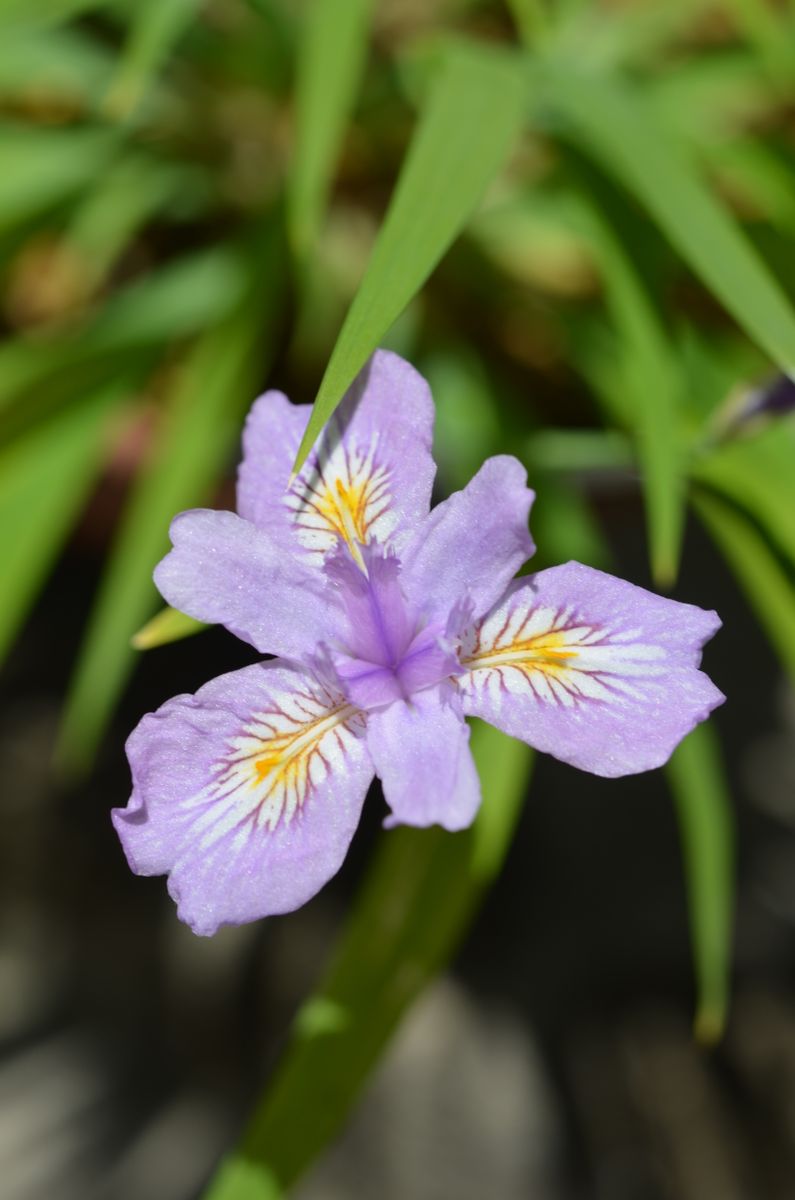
(63, 63)
(45, 477)
(653, 389)
(330, 63)
(769, 588)
(697, 780)
(471, 121)
(173, 302)
(44, 12)
(467, 426)
(42, 167)
(610, 121)
(155, 28)
(119, 203)
(564, 526)
(167, 626)
(756, 473)
(211, 395)
(411, 914)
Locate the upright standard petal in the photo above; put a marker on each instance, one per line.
(224, 570)
(420, 750)
(368, 479)
(473, 543)
(247, 794)
(383, 650)
(600, 673)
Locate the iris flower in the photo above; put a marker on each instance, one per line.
(390, 622)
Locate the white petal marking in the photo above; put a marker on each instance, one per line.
(555, 656)
(342, 494)
(272, 766)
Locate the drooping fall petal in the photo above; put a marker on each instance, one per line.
(600, 673)
(247, 794)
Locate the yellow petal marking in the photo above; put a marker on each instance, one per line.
(272, 766)
(343, 496)
(555, 655)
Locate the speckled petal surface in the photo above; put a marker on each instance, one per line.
(246, 794)
(600, 673)
(368, 479)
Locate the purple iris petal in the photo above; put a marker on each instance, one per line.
(420, 750)
(223, 570)
(474, 542)
(248, 793)
(384, 649)
(596, 671)
(369, 477)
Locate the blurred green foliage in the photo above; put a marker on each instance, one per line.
(195, 191)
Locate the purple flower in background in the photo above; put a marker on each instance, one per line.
(391, 623)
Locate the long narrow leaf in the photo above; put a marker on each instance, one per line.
(471, 121)
(411, 914)
(44, 480)
(156, 25)
(330, 63)
(176, 301)
(168, 625)
(204, 422)
(697, 780)
(769, 588)
(653, 391)
(40, 168)
(611, 123)
(756, 473)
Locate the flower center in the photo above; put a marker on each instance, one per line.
(385, 651)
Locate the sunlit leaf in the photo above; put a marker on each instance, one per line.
(471, 120)
(62, 63)
(166, 626)
(697, 779)
(610, 121)
(172, 302)
(126, 196)
(41, 167)
(410, 916)
(44, 12)
(155, 27)
(768, 586)
(45, 477)
(330, 63)
(212, 393)
(649, 375)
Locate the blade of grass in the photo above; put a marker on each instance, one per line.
(103, 225)
(173, 302)
(213, 391)
(40, 168)
(697, 780)
(168, 625)
(471, 120)
(411, 914)
(769, 588)
(156, 26)
(653, 389)
(44, 12)
(331, 59)
(610, 121)
(44, 480)
(756, 473)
